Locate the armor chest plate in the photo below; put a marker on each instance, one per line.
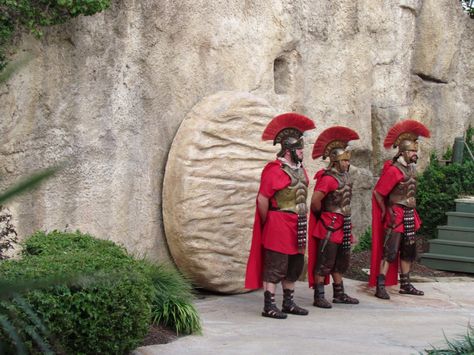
(339, 201)
(293, 197)
(404, 192)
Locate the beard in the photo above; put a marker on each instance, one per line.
(410, 160)
(339, 168)
(294, 157)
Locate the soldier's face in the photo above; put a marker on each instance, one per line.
(299, 154)
(410, 156)
(344, 165)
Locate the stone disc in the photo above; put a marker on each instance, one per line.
(210, 186)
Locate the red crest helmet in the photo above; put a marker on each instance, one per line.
(332, 143)
(404, 135)
(287, 129)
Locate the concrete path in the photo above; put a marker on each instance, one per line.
(403, 325)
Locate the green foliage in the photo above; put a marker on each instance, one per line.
(82, 295)
(7, 232)
(171, 304)
(469, 148)
(32, 15)
(172, 300)
(103, 308)
(465, 345)
(440, 185)
(468, 6)
(8, 235)
(365, 241)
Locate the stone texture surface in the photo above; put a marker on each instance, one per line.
(107, 93)
(210, 186)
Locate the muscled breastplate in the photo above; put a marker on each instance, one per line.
(339, 201)
(404, 192)
(293, 197)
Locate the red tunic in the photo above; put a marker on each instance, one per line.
(325, 184)
(280, 230)
(390, 177)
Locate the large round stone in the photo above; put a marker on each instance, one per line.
(211, 182)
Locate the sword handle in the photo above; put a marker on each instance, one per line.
(328, 234)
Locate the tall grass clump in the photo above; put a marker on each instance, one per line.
(461, 346)
(172, 305)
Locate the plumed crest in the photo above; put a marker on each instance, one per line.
(333, 137)
(407, 129)
(287, 120)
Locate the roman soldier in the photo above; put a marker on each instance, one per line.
(330, 227)
(280, 226)
(394, 217)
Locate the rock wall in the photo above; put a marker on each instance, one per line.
(107, 93)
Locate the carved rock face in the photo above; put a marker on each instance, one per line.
(211, 182)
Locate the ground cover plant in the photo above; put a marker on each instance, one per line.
(94, 298)
(461, 346)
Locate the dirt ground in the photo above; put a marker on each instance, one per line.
(159, 335)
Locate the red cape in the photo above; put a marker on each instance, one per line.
(378, 238)
(312, 255)
(253, 275)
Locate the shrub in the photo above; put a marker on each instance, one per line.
(8, 235)
(103, 308)
(439, 185)
(172, 300)
(365, 241)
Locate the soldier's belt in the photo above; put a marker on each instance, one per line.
(276, 209)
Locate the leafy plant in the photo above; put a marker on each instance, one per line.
(103, 307)
(464, 345)
(7, 232)
(365, 241)
(91, 296)
(468, 7)
(439, 185)
(32, 15)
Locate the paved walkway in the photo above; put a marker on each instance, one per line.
(403, 325)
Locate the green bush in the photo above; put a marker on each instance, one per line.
(16, 15)
(102, 300)
(439, 185)
(365, 241)
(104, 308)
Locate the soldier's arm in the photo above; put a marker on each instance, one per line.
(316, 201)
(263, 203)
(381, 202)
